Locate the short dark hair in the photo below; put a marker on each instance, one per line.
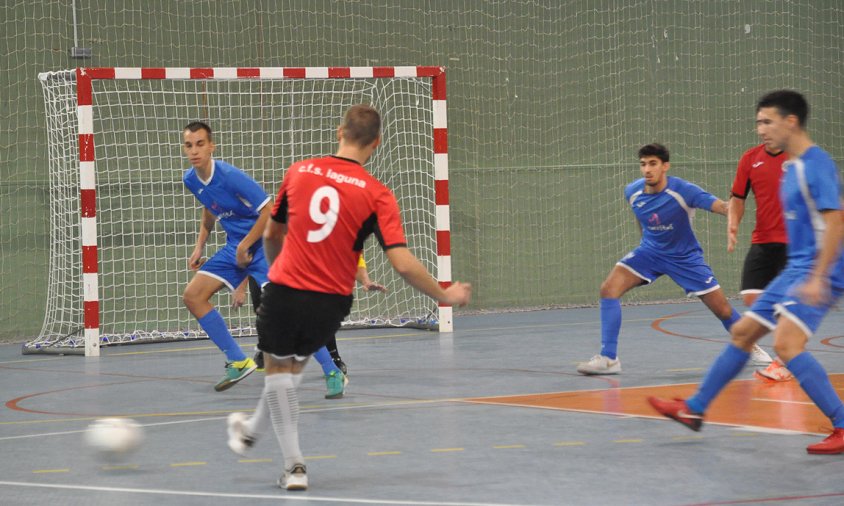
(654, 149)
(787, 102)
(195, 126)
(361, 125)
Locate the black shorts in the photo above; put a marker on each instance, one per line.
(761, 265)
(298, 322)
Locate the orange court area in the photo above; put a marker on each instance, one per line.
(747, 403)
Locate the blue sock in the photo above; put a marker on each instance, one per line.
(217, 330)
(731, 320)
(325, 360)
(610, 326)
(815, 382)
(726, 367)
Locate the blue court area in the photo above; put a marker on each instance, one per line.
(413, 428)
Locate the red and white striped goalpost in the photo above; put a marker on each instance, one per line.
(87, 161)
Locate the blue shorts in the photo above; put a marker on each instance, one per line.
(223, 266)
(693, 274)
(780, 299)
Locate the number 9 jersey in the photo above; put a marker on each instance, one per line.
(331, 205)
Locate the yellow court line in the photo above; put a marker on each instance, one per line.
(445, 450)
(44, 471)
(745, 434)
(507, 447)
(188, 464)
(686, 438)
(120, 467)
(627, 441)
(321, 457)
(254, 461)
(570, 443)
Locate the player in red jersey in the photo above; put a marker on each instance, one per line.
(759, 171)
(324, 211)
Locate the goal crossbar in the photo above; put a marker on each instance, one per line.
(88, 257)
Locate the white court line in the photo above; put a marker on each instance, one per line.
(804, 403)
(277, 497)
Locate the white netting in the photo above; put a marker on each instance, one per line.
(148, 221)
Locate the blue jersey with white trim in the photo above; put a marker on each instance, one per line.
(810, 185)
(234, 198)
(666, 217)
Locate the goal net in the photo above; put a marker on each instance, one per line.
(123, 224)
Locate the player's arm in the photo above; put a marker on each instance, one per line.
(814, 291)
(734, 216)
(412, 270)
(274, 234)
(362, 277)
(720, 207)
(206, 226)
(243, 257)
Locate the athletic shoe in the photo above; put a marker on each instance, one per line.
(335, 383)
(259, 360)
(758, 356)
(235, 371)
(600, 364)
(339, 363)
(832, 445)
(678, 411)
(239, 440)
(775, 372)
(295, 478)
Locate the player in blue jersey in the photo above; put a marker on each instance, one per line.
(795, 302)
(234, 199)
(664, 207)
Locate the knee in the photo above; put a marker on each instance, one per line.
(787, 350)
(742, 333)
(190, 297)
(608, 291)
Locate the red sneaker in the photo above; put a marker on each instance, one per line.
(677, 410)
(832, 445)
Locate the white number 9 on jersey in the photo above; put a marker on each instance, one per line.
(328, 218)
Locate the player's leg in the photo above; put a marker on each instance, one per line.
(761, 265)
(331, 345)
(721, 308)
(797, 322)
(727, 366)
(621, 279)
(216, 273)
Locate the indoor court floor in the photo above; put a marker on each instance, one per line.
(492, 414)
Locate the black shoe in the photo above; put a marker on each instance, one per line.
(339, 363)
(259, 359)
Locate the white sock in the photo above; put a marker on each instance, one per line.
(259, 422)
(283, 404)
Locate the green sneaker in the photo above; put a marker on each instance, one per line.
(336, 384)
(235, 371)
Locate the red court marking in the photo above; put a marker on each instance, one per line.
(752, 403)
(657, 325)
(14, 404)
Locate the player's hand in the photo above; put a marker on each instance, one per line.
(372, 286)
(238, 298)
(815, 291)
(458, 294)
(195, 261)
(243, 257)
(732, 238)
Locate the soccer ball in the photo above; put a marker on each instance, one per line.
(114, 437)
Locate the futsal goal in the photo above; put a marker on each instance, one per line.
(123, 224)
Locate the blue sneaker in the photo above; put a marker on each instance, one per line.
(335, 383)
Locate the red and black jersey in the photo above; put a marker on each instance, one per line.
(330, 205)
(760, 172)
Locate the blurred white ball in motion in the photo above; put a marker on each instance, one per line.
(114, 437)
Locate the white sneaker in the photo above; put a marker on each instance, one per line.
(758, 356)
(776, 372)
(600, 364)
(295, 478)
(239, 441)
